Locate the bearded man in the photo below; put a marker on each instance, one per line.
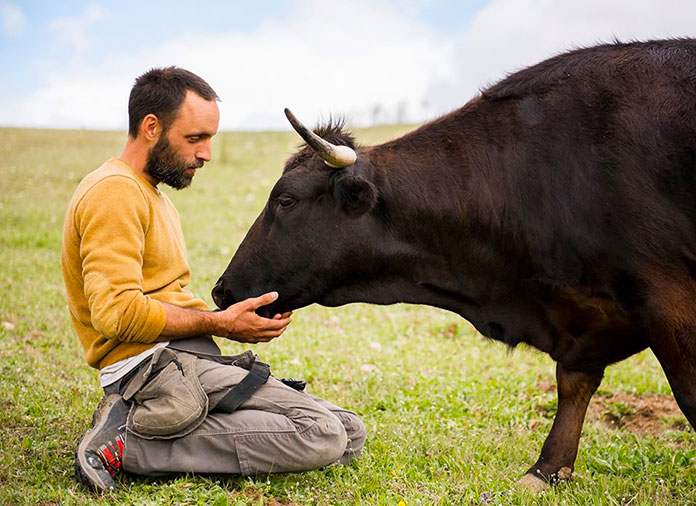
(172, 402)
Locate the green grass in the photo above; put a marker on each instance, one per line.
(452, 418)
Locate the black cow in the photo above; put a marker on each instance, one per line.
(556, 209)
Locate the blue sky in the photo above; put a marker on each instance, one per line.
(127, 26)
(122, 26)
(70, 64)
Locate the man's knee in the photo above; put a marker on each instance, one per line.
(356, 433)
(326, 442)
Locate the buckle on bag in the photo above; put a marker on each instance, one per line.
(256, 377)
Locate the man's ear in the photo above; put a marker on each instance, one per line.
(151, 127)
(355, 194)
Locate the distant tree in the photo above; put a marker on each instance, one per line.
(401, 111)
(376, 113)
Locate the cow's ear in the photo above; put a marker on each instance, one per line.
(355, 194)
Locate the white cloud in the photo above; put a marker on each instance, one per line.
(346, 58)
(72, 32)
(508, 35)
(327, 57)
(12, 19)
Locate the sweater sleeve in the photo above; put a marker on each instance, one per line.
(112, 219)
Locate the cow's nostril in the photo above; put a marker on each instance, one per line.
(218, 295)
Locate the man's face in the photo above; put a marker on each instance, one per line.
(185, 146)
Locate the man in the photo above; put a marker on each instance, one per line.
(172, 402)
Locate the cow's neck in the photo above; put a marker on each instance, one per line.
(442, 202)
(438, 171)
(441, 196)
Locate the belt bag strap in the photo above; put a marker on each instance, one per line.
(257, 376)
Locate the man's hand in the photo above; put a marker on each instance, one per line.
(240, 322)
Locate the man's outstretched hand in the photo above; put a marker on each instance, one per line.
(239, 322)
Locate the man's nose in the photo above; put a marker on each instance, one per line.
(205, 153)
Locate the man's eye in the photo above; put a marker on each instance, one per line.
(193, 140)
(285, 201)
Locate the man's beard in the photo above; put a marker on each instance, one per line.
(165, 165)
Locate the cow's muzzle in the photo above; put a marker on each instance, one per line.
(225, 297)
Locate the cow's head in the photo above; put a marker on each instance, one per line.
(318, 237)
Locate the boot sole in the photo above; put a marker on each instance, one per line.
(84, 473)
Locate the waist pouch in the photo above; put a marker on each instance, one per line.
(168, 399)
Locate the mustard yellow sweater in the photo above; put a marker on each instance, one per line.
(123, 255)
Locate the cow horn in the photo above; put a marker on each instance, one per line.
(333, 155)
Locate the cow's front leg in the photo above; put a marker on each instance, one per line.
(575, 389)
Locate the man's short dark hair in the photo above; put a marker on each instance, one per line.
(160, 91)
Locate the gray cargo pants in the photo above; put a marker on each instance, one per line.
(278, 429)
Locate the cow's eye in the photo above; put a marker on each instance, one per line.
(286, 201)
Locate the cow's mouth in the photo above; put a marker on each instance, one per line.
(280, 306)
(266, 311)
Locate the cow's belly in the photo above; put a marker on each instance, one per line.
(580, 332)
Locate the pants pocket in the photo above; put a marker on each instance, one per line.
(170, 403)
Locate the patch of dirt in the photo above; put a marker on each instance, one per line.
(642, 415)
(33, 335)
(546, 387)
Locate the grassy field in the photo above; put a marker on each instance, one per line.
(452, 418)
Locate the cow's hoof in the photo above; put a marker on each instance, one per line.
(535, 484)
(532, 484)
(564, 473)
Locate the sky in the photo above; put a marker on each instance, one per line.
(71, 64)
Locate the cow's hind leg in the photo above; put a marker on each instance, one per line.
(676, 352)
(671, 324)
(575, 389)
